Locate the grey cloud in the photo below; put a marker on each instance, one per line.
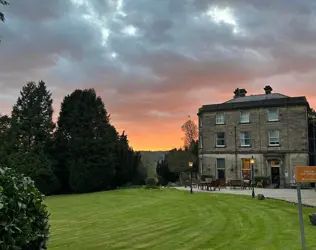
(38, 11)
(177, 49)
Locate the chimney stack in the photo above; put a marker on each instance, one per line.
(268, 89)
(236, 92)
(240, 93)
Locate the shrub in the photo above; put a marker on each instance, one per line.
(261, 197)
(312, 218)
(162, 181)
(173, 184)
(151, 182)
(264, 178)
(23, 216)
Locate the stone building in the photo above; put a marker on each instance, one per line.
(272, 128)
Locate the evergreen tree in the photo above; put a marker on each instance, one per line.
(30, 136)
(85, 143)
(164, 174)
(129, 167)
(140, 174)
(125, 164)
(5, 122)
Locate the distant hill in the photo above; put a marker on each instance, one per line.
(150, 158)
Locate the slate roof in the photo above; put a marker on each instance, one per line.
(257, 98)
(256, 101)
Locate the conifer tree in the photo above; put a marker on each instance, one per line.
(86, 140)
(30, 136)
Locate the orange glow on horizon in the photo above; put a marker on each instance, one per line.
(161, 140)
(158, 134)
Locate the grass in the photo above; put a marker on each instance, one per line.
(172, 219)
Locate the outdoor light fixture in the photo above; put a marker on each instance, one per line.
(190, 166)
(252, 162)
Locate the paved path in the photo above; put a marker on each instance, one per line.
(308, 195)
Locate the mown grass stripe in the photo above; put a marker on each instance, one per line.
(172, 219)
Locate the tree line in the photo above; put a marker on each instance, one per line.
(176, 161)
(82, 152)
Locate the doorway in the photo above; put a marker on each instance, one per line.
(220, 169)
(275, 173)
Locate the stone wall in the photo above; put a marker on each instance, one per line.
(292, 125)
(288, 164)
(209, 164)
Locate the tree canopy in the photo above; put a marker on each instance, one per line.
(88, 142)
(83, 153)
(29, 136)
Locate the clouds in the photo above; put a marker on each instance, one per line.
(155, 62)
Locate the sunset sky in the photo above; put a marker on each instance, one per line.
(154, 62)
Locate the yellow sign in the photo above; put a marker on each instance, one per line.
(305, 174)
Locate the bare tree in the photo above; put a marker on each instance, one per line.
(190, 130)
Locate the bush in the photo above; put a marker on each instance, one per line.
(312, 218)
(23, 216)
(162, 181)
(261, 197)
(173, 184)
(264, 178)
(151, 182)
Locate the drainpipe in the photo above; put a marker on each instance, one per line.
(236, 152)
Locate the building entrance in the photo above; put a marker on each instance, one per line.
(275, 173)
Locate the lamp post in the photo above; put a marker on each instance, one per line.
(190, 166)
(252, 162)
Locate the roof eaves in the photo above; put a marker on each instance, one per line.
(288, 101)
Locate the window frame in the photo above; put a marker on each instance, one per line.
(269, 138)
(245, 138)
(277, 115)
(223, 139)
(217, 163)
(245, 171)
(220, 168)
(223, 119)
(241, 115)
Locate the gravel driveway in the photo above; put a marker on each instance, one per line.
(308, 195)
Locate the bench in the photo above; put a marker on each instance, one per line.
(210, 184)
(235, 183)
(246, 184)
(195, 183)
(215, 185)
(206, 184)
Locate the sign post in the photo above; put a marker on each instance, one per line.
(300, 213)
(303, 174)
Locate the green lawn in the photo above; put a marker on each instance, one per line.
(171, 219)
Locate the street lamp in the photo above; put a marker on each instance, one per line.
(252, 162)
(190, 166)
